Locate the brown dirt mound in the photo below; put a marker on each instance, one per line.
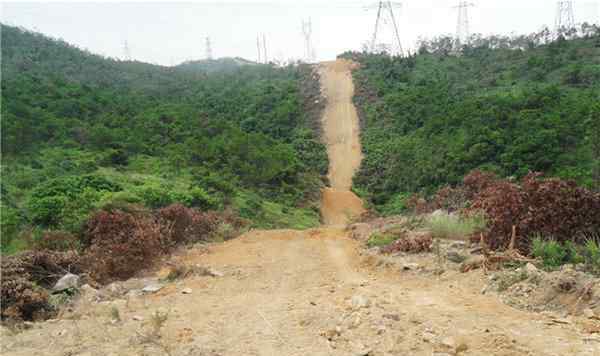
(339, 207)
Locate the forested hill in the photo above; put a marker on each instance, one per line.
(504, 105)
(80, 131)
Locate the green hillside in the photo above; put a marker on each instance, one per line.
(80, 131)
(504, 105)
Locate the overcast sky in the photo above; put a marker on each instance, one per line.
(171, 32)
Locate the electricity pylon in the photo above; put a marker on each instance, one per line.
(309, 52)
(258, 49)
(463, 33)
(209, 54)
(126, 51)
(565, 20)
(261, 48)
(385, 15)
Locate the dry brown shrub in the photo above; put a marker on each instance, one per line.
(418, 204)
(57, 241)
(25, 278)
(552, 207)
(189, 225)
(122, 243)
(411, 244)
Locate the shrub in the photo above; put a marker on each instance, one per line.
(397, 204)
(67, 199)
(188, 225)
(554, 254)
(122, 243)
(57, 241)
(591, 255)
(412, 244)
(25, 277)
(47, 211)
(551, 207)
(196, 197)
(155, 196)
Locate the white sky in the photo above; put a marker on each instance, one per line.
(171, 32)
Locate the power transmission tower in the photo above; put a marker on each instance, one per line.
(462, 25)
(265, 58)
(385, 16)
(126, 51)
(258, 49)
(565, 20)
(261, 48)
(208, 49)
(309, 53)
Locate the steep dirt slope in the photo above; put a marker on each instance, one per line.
(341, 128)
(311, 292)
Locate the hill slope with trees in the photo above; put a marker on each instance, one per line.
(80, 132)
(505, 105)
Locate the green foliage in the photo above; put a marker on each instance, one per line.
(396, 205)
(591, 255)
(554, 254)
(65, 202)
(430, 118)
(81, 132)
(380, 240)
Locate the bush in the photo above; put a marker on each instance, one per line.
(554, 254)
(188, 225)
(67, 199)
(591, 256)
(57, 241)
(196, 197)
(551, 207)
(25, 278)
(155, 196)
(122, 243)
(414, 244)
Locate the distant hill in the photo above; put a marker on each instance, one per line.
(215, 65)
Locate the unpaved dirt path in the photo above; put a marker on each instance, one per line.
(341, 129)
(313, 292)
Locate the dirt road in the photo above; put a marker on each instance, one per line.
(341, 129)
(311, 292)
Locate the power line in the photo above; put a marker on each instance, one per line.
(385, 16)
(463, 33)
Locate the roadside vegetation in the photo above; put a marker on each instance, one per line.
(507, 105)
(465, 133)
(82, 133)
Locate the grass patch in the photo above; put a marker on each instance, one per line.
(266, 214)
(380, 240)
(554, 254)
(447, 226)
(591, 256)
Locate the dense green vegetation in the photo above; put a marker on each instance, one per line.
(80, 132)
(504, 105)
